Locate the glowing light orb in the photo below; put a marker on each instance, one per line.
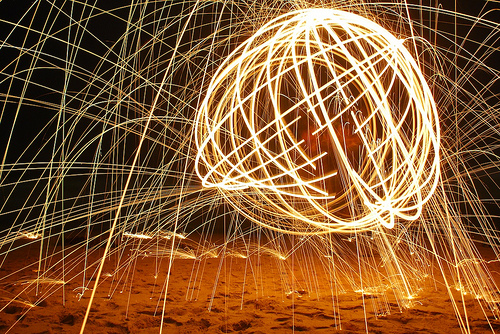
(324, 120)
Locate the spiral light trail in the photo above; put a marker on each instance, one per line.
(304, 78)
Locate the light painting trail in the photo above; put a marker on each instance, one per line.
(317, 72)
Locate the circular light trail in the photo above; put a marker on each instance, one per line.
(320, 122)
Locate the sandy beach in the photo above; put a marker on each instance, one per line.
(225, 294)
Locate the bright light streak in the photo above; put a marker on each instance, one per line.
(169, 235)
(29, 235)
(137, 236)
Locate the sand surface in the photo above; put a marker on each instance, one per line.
(258, 294)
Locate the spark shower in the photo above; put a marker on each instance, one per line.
(363, 136)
